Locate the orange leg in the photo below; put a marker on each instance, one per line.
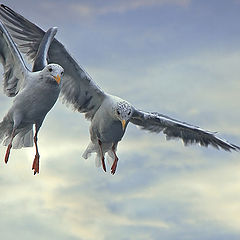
(101, 152)
(9, 146)
(114, 166)
(35, 165)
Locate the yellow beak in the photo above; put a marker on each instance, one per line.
(57, 78)
(123, 124)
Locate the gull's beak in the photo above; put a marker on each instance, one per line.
(57, 78)
(123, 124)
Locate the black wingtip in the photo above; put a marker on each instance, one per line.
(6, 8)
(236, 148)
(231, 148)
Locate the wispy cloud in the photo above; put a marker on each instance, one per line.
(121, 6)
(162, 190)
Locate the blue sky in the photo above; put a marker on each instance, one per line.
(177, 57)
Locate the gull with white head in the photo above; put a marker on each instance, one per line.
(109, 115)
(35, 92)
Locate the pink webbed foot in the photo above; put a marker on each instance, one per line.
(35, 165)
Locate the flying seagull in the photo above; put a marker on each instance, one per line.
(109, 114)
(35, 92)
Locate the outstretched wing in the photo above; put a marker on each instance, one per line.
(155, 122)
(41, 58)
(78, 89)
(14, 67)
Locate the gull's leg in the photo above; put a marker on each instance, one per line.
(114, 166)
(17, 118)
(102, 157)
(35, 165)
(9, 146)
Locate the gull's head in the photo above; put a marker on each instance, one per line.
(123, 112)
(55, 71)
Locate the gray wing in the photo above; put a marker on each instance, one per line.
(41, 58)
(77, 89)
(14, 67)
(155, 122)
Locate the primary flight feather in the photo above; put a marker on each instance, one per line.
(109, 114)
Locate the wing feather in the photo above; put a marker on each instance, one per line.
(41, 59)
(155, 122)
(15, 70)
(78, 89)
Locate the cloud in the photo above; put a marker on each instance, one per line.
(161, 189)
(216, 198)
(120, 7)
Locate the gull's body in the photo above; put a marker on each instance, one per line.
(105, 126)
(105, 131)
(109, 115)
(34, 94)
(31, 105)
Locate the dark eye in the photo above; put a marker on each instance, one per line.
(118, 112)
(50, 69)
(129, 113)
(62, 73)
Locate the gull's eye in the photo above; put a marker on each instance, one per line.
(50, 69)
(129, 113)
(62, 73)
(118, 113)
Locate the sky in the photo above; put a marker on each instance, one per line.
(178, 57)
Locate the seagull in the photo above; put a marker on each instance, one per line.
(109, 115)
(35, 92)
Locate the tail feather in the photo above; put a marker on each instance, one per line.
(6, 128)
(110, 158)
(91, 148)
(23, 137)
(88, 151)
(98, 161)
(94, 148)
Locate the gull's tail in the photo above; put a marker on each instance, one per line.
(93, 148)
(5, 129)
(90, 149)
(23, 137)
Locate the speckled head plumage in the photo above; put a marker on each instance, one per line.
(123, 112)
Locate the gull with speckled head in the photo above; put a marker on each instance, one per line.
(35, 92)
(109, 114)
